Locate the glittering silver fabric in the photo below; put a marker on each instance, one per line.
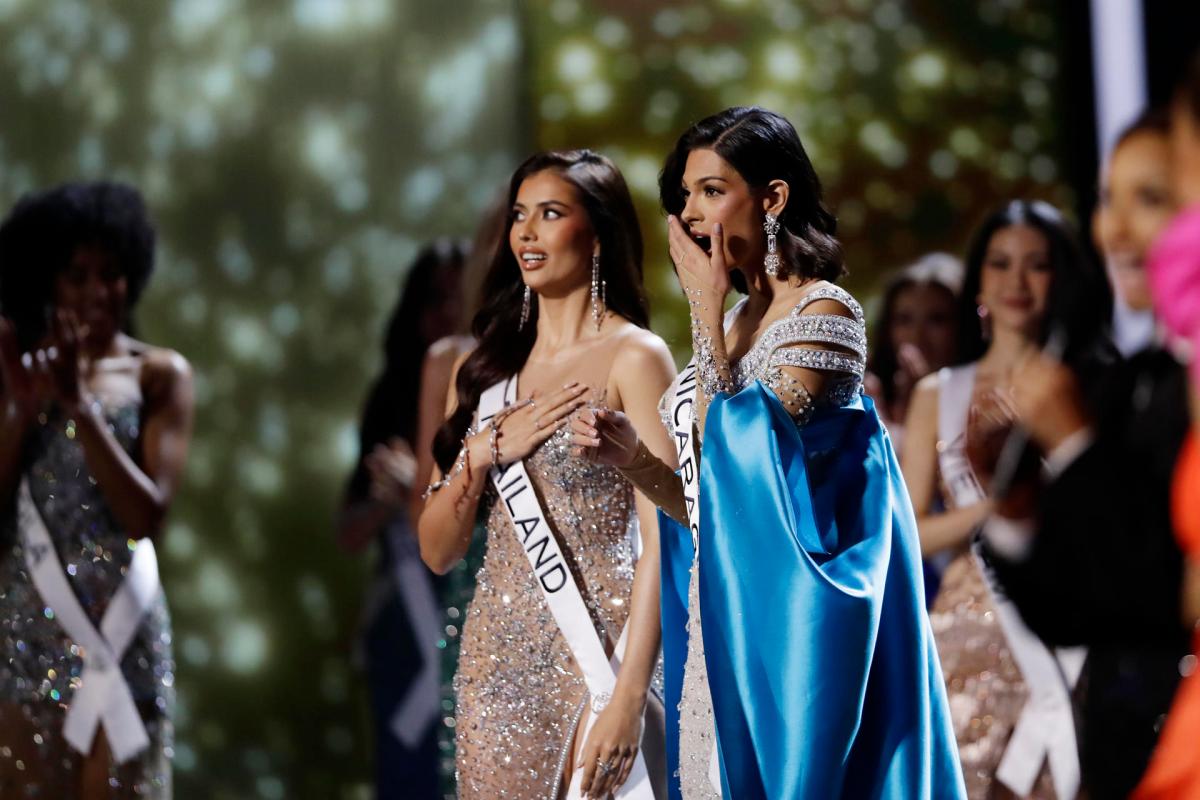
(519, 689)
(40, 667)
(782, 343)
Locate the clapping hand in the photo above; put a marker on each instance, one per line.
(521, 428)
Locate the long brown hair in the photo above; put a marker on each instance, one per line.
(503, 345)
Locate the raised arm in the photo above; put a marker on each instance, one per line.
(448, 517)
(919, 463)
(140, 492)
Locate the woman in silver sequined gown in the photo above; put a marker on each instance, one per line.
(100, 434)
(563, 307)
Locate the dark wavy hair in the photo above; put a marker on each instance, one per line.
(763, 146)
(502, 349)
(1080, 302)
(39, 238)
(940, 270)
(391, 407)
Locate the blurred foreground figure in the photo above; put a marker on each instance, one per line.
(1087, 552)
(1174, 771)
(93, 439)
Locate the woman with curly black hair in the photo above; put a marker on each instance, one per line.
(94, 430)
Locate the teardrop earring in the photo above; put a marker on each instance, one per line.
(985, 322)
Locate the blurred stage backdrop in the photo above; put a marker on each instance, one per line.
(296, 153)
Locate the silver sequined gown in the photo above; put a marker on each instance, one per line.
(520, 692)
(40, 667)
(786, 342)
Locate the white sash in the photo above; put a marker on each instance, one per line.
(683, 415)
(103, 696)
(1046, 728)
(562, 595)
(419, 708)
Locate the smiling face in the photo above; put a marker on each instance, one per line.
(713, 192)
(96, 290)
(1135, 206)
(1014, 283)
(551, 235)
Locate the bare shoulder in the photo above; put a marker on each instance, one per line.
(452, 380)
(642, 349)
(449, 349)
(445, 356)
(165, 373)
(924, 402)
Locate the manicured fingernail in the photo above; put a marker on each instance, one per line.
(717, 229)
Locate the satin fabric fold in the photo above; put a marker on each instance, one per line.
(824, 677)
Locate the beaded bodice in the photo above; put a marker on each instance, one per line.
(788, 341)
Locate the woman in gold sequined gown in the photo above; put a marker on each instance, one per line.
(1017, 270)
(564, 312)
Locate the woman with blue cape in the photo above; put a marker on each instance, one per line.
(798, 656)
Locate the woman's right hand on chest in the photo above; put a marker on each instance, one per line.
(521, 428)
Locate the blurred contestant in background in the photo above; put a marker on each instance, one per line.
(1026, 279)
(916, 334)
(93, 441)
(402, 615)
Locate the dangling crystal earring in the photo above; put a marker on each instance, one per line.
(599, 292)
(525, 309)
(771, 262)
(985, 322)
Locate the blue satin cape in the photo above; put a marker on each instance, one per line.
(821, 663)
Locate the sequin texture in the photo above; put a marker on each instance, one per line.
(518, 686)
(41, 668)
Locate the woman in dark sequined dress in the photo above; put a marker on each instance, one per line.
(93, 438)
